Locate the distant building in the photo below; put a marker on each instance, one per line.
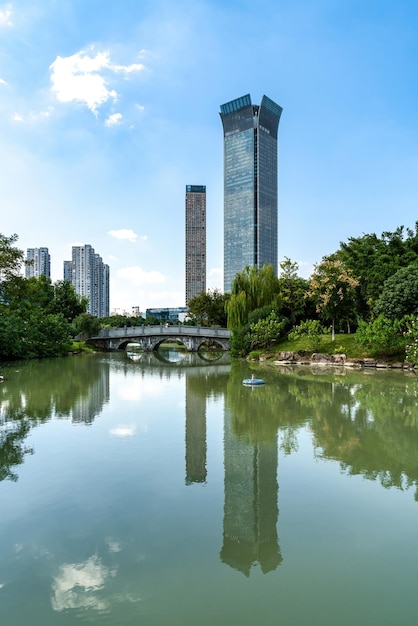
(195, 240)
(38, 262)
(176, 314)
(250, 185)
(90, 278)
(67, 271)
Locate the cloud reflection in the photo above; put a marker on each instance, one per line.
(77, 584)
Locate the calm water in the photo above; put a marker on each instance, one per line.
(162, 492)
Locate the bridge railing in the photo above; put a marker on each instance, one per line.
(171, 331)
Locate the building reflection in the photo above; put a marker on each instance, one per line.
(88, 406)
(195, 435)
(250, 504)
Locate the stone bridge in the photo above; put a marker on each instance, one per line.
(150, 337)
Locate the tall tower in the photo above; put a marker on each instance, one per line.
(40, 263)
(90, 277)
(195, 240)
(250, 184)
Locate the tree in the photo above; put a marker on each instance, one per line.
(399, 296)
(11, 258)
(332, 287)
(292, 290)
(253, 288)
(208, 308)
(67, 301)
(86, 325)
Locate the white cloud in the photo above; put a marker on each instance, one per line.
(114, 120)
(124, 233)
(138, 277)
(5, 15)
(84, 78)
(2, 82)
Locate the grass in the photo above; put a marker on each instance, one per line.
(343, 344)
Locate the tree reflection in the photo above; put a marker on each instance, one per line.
(34, 392)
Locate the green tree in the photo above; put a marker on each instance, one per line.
(292, 291)
(86, 325)
(66, 301)
(11, 258)
(265, 332)
(208, 308)
(382, 336)
(253, 288)
(399, 295)
(332, 288)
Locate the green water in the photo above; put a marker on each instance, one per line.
(163, 492)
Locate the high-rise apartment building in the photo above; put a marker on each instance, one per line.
(250, 184)
(195, 240)
(38, 262)
(90, 278)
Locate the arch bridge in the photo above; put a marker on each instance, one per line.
(150, 337)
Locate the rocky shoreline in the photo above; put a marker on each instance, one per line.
(319, 358)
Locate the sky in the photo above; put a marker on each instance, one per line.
(109, 109)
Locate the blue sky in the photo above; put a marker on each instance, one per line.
(109, 109)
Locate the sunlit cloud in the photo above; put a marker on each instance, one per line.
(85, 78)
(5, 15)
(126, 234)
(138, 276)
(2, 82)
(114, 120)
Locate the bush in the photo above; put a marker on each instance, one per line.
(382, 336)
(312, 330)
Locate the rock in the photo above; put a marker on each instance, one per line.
(369, 362)
(286, 356)
(339, 359)
(319, 357)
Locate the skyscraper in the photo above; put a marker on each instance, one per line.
(90, 277)
(195, 240)
(40, 263)
(250, 184)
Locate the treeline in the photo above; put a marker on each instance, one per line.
(37, 318)
(369, 285)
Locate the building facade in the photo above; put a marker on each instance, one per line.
(195, 240)
(250, 185)
(90, 278)
(38, 262)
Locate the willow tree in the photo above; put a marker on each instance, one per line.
(251, 289)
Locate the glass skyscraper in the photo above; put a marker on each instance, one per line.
(250, 184)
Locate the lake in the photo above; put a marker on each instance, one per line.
(158, 490)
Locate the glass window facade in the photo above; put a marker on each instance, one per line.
(195, 240)
(250, 185)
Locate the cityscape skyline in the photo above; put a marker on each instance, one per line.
(107, 112)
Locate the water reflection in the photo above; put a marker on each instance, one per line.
(250, 506)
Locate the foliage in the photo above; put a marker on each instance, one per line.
(332, 287)
(252, 289)
(86, 325)
(399, 296)
(11, 258)
(382, 336)
(292, 290)
(374, 259)
(411, 338)
(312, 330)
(66, 301)
(208, 308)
(265, 332)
